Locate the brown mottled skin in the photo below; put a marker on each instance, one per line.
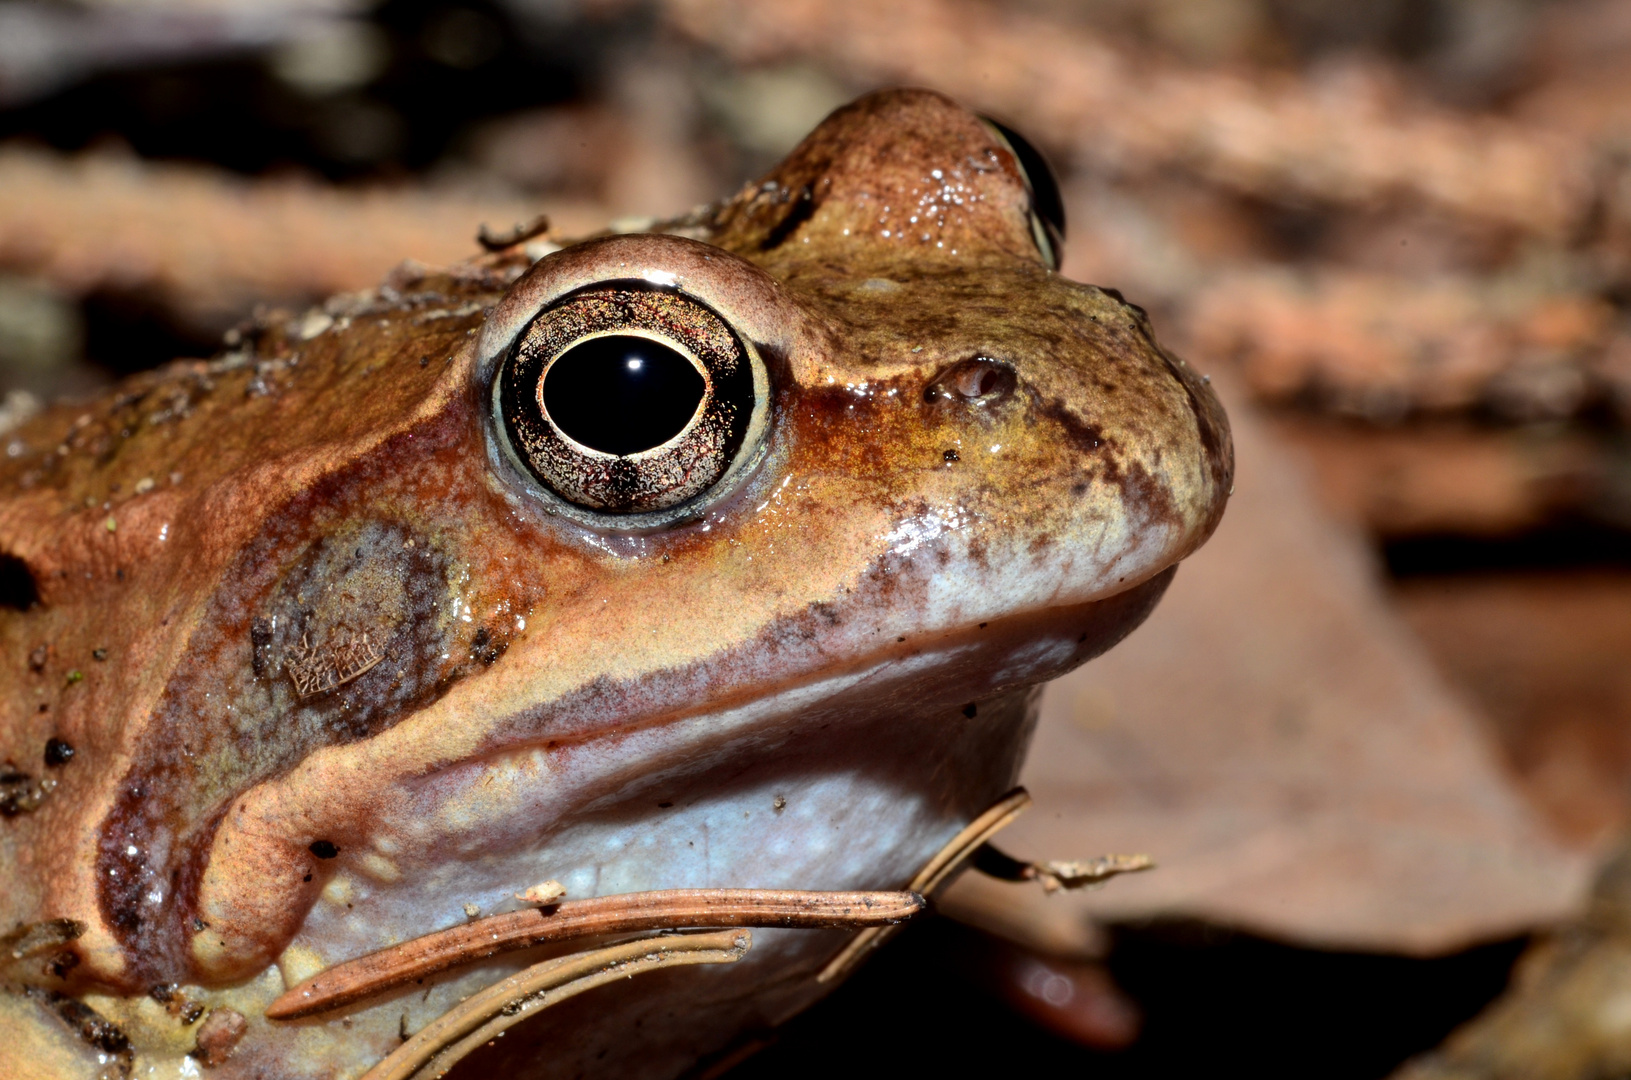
(195, 531)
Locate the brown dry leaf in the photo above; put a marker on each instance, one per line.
(1281, 746)
(1567, 1013)
(1545, 653)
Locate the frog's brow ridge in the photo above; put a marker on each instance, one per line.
(624, 913)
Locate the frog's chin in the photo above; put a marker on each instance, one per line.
(850, 784)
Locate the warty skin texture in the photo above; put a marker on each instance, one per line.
(811, 680)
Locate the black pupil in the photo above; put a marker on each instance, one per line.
(622, 394)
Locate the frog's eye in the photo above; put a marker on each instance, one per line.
(626, 399)
(1047, 204)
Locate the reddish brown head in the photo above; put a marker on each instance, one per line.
(418, 600)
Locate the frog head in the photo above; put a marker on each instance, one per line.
(725, 554)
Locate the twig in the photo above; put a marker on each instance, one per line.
(1058, 874)
(943, 865)
(433, 1050)
(626, 913)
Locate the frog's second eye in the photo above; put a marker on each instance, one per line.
(1042, 183)
(625, 399)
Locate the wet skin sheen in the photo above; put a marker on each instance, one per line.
(308, 647)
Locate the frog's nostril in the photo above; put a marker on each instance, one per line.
(979, 381)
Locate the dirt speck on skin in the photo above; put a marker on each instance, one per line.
(219, 1036)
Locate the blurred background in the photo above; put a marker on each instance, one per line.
(1379, 737)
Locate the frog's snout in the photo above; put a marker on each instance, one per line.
(1073, 427)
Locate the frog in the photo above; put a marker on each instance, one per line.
(729, 551)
